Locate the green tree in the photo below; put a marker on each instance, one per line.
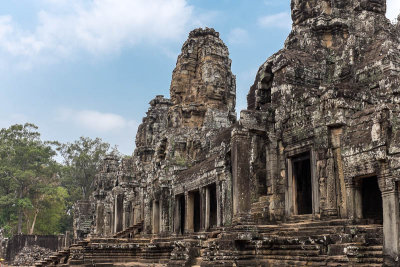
(54, 203)
(82, 161)
(26, 163)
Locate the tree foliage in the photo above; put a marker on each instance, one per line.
(26, 165)
(82, 160)
(36, 192)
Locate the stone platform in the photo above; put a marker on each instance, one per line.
(298, 243)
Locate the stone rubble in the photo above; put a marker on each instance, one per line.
(30, 254)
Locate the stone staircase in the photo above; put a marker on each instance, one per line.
(306, 243)
(131, 231)
(300, 241)
(260, 210)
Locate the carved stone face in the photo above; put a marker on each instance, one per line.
(303, 10)
(340, 3)
(378, 6)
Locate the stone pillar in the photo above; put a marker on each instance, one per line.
(189, 224)
(351, 199)
(391, 216)
(341, 200)
(165, 202)
(358, 204)
(390, 202)
(241, 174)
(206, 206)
(100, 219)
(331, 197)
(156, 217)
(224, 205)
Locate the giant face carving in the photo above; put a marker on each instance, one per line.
(377, 6)
(340, 3)
(303, 10)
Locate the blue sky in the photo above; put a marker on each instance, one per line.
(89, 68)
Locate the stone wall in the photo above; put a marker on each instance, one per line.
(3, 244)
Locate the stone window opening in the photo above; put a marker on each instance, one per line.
(197, 212)
(193, 212)
(180, 214)
(369, 200)
(264, 93)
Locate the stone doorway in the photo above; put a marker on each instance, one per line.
(212, 203)
(196, 212)
(301, 185)
(119, 209)
(371, 200)
(180, 214)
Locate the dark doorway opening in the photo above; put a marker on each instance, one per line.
(302, 184)
(196, 211)
(213, 205)
(182, 214)
(120, 210)
(371, 200)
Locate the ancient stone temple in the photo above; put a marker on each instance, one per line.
(308, 176)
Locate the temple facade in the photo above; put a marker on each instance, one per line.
(307, 176)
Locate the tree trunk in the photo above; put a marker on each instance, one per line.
(19, 228)
(34, 222)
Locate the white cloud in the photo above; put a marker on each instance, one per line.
(96, 121)
(280, 20)
(393, 9)
(113, 128)
(97, 27)
(238, 36)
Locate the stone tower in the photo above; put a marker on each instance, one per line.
(203, 88)
(176, 135)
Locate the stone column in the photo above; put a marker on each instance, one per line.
(350, 191)
(358, 204)
(100, 219)
(189, 224)
(206, 208)
(390, 202)
(241, 174)
(331, 197)
(156, 217)
(336, 136)
(391, 216)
